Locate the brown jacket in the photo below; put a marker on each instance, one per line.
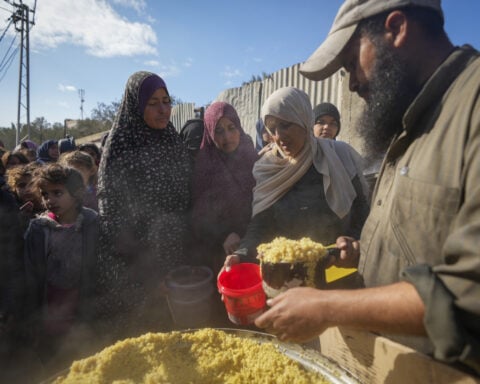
(424, 224)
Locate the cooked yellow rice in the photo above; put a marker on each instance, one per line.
(204, 356)
(283, 250)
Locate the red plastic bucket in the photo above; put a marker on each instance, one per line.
(242, 292)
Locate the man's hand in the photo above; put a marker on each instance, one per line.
(295, 315)
(349, 252)
(301, 314)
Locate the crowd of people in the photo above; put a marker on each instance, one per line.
(88, 235)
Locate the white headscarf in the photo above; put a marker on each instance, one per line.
(276, 175)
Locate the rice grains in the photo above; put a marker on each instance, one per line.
(204, 356)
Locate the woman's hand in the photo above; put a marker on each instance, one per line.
(231, 243)
(231, 260)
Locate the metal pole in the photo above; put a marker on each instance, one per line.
(27, 18)
(81, 93)
(20, 75)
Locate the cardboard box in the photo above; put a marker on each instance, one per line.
(374, 359)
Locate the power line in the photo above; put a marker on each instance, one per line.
(7, 62)
(7, 59)
(7, 53)
(6, 29)
(5, 9)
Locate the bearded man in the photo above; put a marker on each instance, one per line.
(420, 246)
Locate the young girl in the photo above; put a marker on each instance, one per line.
(85, 164)
(60, 248)
(20, 181)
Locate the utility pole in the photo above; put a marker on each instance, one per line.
(81, 93)
(21, 18)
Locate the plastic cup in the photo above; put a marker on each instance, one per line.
(242, 292)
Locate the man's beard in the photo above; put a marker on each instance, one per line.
(391, 90)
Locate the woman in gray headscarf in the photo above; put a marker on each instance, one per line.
(303, 187)
(143, 196)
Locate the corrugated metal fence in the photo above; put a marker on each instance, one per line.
(181, 113)
(249, 98)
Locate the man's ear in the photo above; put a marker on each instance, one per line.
(396, 28)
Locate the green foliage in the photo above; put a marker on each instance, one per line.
(7, 136)
(101, 120)
(41, 130)
(106, 113)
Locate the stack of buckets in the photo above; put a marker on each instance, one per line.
(190, 296)
(242, 292)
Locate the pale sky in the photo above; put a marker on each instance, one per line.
(199, 48)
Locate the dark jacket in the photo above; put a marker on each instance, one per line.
(303, 212)
(11, 260)
(36, 256)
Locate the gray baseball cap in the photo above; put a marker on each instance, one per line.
(325, 61)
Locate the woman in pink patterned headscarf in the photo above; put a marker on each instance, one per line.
(222, 185)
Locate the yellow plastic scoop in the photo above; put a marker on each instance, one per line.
(334, 273)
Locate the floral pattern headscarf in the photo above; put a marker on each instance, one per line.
(144, 195)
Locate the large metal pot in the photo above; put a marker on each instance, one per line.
(310, 359)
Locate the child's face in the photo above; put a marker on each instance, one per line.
(53, 151)
(59, 201)
(23, 190)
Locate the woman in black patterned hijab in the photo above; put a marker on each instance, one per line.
(143, 191)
